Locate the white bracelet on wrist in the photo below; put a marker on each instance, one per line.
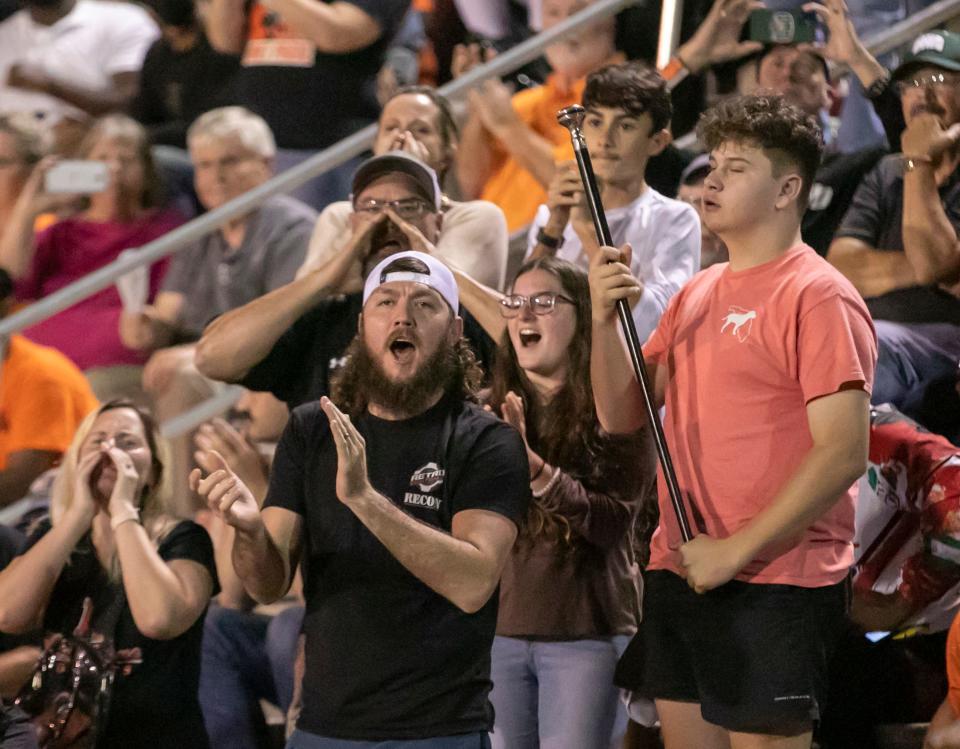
(117, 520)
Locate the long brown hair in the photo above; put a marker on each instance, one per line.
(567, 437)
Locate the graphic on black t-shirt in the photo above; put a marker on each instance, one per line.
(425, 485)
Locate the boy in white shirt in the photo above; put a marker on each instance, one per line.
(627, 122)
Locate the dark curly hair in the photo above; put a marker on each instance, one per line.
(790, 138)
(631, 86)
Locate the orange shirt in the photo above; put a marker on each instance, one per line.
(745, 353)
(511, 186)
(43, 399)
(953, 665)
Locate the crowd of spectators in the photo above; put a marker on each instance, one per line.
(188, 104)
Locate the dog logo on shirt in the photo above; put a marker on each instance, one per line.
(741, 322)
(427, 479)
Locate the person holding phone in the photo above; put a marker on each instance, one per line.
(100, 225)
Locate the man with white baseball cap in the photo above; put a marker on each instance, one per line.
(403, 500)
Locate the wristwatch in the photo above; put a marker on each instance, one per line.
(554, 243)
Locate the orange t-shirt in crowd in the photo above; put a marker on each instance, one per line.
(745, 353)
(43, 399)
(511, 186)
(953, 665)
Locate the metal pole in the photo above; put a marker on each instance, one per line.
(571, 118)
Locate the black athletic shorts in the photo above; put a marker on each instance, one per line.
(754, 656)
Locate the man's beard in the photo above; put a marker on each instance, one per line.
(363, 380)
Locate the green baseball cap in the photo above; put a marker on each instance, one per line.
(940, 49)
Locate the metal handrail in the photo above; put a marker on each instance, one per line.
(324, 161)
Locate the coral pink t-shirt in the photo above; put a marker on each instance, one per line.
(746, 352)
(88, 332)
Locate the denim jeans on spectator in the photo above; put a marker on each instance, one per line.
(917, 365)
(324, 189)
(245, 658)
(556, 695)
(304, 740)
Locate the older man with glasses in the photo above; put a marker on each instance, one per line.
(232, 150)
(898, 243)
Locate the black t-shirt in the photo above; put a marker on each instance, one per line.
(299, 366)
(386, 656)
(12, 543)
(876, 217)
(177, 87)
(155, 706)
(836, 182)
(311, 100)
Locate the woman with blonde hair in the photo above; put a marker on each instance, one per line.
(129, 212)
(113, 543)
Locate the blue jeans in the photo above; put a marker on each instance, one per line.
(323, 189)
(304, 740)
(556, 695)
(913, 359)
(245, 658)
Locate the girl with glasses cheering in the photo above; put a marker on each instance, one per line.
(569, 594)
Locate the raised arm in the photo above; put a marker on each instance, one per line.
(616, 393)
(165, 597)
(28, 581)
(225, 22)
(929, 238)
(17, 240)
(463, 566)
(336, 28)
(266, 546)
(240, 339)
(483, 303)
(494, 127)
(854, 250)
(243, 459)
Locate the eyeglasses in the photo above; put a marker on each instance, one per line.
(937, 81)
(540, 304)
(407, 209)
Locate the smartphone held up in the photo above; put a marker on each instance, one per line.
(76, 177)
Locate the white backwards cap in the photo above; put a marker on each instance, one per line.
(437, 276)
